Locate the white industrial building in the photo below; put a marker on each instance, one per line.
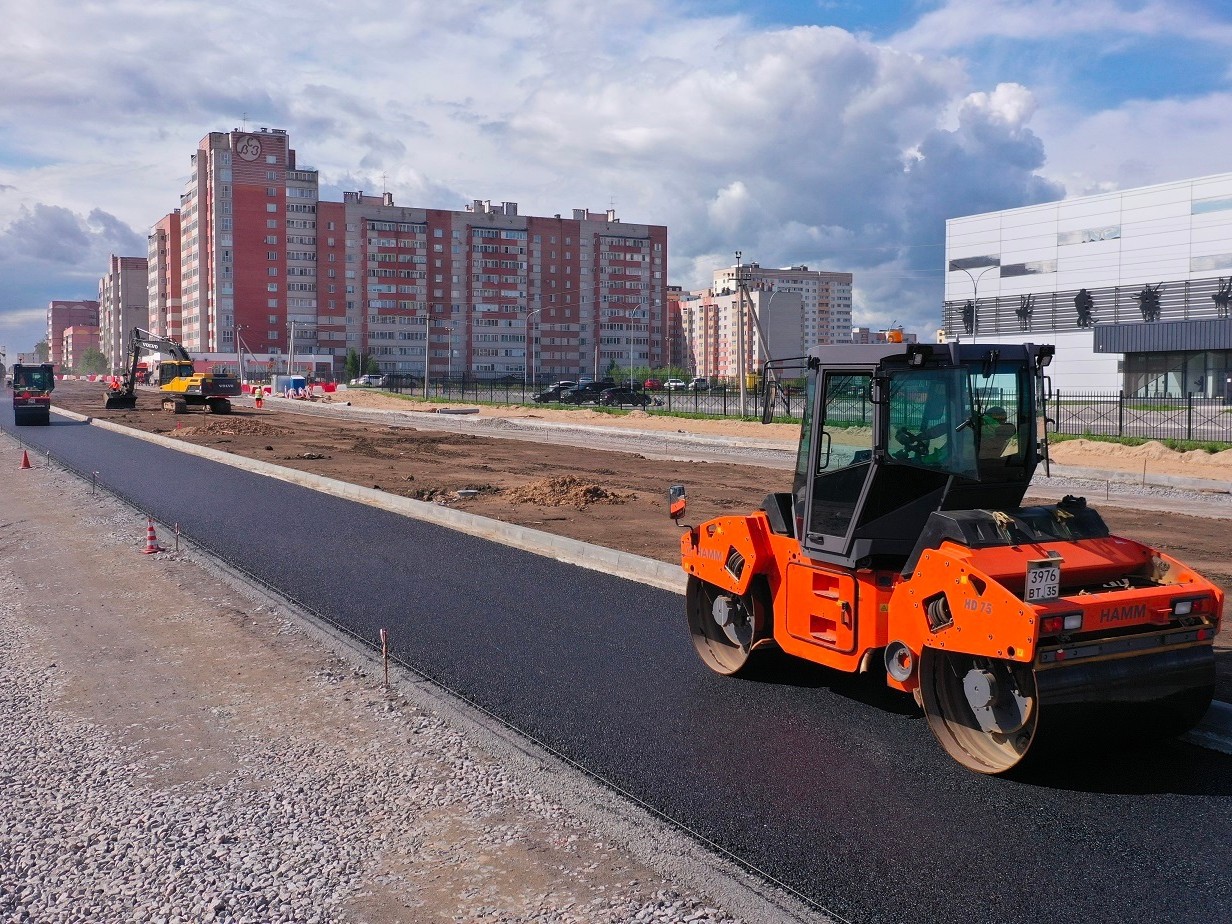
(1133, 287)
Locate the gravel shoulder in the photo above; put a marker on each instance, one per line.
(180, 748)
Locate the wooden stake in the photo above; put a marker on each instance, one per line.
(385, 655)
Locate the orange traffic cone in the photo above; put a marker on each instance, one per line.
(25, 460)
(151, 540)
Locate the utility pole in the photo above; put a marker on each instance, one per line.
(528, 368)
(740, 329)
(427, 350)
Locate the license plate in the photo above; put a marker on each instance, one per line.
(1043, 580)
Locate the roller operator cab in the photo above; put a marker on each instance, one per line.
(32, 388)
(904, 547)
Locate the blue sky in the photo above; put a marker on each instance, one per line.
(835, 133)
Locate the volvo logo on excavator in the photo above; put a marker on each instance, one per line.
(1123, 613)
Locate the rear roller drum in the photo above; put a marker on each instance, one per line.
(989, 713)
(984, 711)
(726, 627)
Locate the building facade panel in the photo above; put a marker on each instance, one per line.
(1159, 255)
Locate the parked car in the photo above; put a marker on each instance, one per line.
(372, 381)
(586, 392)
(675, 385)
(619, 397)
(554, 392)
(701, 383)
(652, 385)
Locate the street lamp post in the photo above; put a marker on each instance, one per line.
(528, 368)
(975, 295)
(740, 358)
(427, 351)
(449, 358)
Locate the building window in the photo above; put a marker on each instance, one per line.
(271, 206)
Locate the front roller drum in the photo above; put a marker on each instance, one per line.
(990, 714)
(726, 627)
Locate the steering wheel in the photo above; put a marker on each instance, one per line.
(915, 445)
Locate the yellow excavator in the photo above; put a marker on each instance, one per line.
(179, 384)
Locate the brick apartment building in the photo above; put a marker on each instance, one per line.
(61, 315)
(785, 312)
(163, 281)
(123, 303)
(263, 258)
(74, 341)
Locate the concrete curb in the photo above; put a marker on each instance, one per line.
(1151, 480)
(1213, 732)
(561, 548)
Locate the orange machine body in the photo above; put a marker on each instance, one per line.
(840, 618)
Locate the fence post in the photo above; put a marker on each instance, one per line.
(1189, 421)
(1121, 412)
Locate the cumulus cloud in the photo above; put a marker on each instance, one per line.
(53, 234)
(793, 145)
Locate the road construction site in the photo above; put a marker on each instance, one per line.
(616, 499)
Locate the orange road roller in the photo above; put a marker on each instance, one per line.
(904, 547)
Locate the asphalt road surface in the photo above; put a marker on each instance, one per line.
(826, 784)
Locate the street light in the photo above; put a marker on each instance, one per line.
(449, 359)
(528, 366)
(427, 318)
(975, 294)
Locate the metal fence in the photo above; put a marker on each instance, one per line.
(719, 402)
(1074, 413)
(1192, 417)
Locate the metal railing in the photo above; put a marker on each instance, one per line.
(1075, 413)
(1192, 417)
(719, 402)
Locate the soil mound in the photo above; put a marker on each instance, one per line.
(234, 426)
(565, 491)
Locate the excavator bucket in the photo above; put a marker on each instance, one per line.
(120, 402)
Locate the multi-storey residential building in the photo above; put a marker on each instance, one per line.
(785, 312)
(248, 243)
(74, 342)
(471, 289)
(715, 338)
(163, 259)
(62, 315)
(123, 300)
(825, 297)
(263, 260)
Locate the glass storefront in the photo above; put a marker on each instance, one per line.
(1203, 374)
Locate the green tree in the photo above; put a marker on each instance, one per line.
(92, 362)
(371, 366)
(352, 364)
(42, 350)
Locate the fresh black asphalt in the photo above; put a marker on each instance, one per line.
(828, 784)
